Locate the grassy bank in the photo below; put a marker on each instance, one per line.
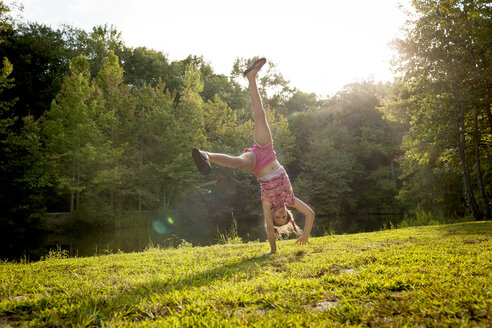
(427, 276)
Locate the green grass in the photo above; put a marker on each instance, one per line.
(417, 276)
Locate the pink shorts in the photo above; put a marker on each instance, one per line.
(263, 156)
(276, 189)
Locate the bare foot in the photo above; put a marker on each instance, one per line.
(253, 69)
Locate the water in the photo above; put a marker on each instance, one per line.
(80, 240)
(92, 242)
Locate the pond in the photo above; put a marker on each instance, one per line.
(81, 240)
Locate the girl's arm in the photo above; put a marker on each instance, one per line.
(309, 213)
(267, 212)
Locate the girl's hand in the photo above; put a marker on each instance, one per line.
(303, 240)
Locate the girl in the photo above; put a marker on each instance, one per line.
(276, 190)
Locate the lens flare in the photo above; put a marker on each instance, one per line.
(209, 191)
(159, 227)
(170, 220)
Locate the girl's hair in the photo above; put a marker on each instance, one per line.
(282, 231)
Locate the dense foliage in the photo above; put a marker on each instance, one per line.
(444, 93)
(103, 131)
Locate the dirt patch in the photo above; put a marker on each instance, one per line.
(8, 320)
(474, 241)
(338, 269)
(325, 305)
(255, 312)
(18, 298)
(335, 269)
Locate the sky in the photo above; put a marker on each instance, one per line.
(318, 45)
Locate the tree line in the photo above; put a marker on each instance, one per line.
(443, 92)
(104, 131)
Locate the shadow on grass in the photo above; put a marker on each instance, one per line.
(466, 228)
(126, 301)
(134, 295)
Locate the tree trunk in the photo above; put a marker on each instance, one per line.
(393, 171)
(72, 199)
(77, 175)
(77, 200)
(111, 193)
(111, 199)
(489, 115)
(460, 139)
(479, 169)
(140, 165)
(72, 193)
(139, 201)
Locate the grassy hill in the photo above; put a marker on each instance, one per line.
(420, 276)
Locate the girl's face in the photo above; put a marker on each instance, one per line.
(280, 216)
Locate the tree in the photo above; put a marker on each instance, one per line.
(144, 66)
(300, 102)
(115, 96)
(327, 169)
(273, 87)
(71, 132)
(345, 159)
(96, 45)
(40, 58)
(444, 63)
(150, 138)
(21, 173)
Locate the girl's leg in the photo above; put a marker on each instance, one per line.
(263, 136)
(246, 161)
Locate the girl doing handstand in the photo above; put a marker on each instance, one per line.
(276, 189)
